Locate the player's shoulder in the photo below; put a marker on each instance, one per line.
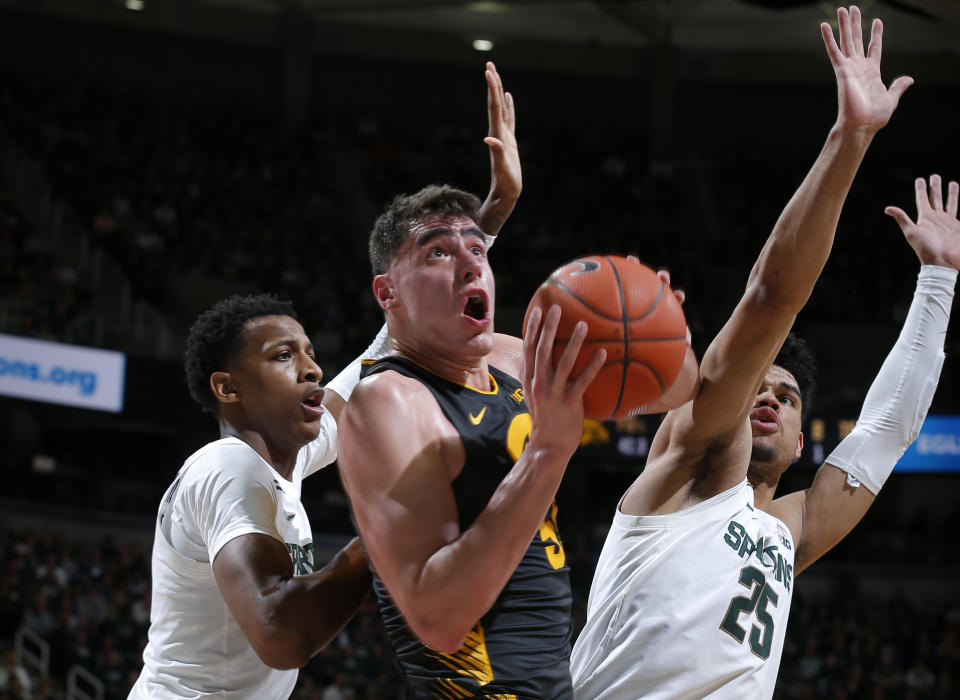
(384, 390)
(225, 458)
(507, 354)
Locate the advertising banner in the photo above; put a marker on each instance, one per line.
(58, 373)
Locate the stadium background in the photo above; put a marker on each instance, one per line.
(157, 159)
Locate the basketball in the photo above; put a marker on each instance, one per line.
(632, 313)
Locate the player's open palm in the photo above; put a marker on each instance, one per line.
(506, 174)
(864, 102)
(935, 237)
(553, 397)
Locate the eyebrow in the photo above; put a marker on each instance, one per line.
(790, 387)
(439, 231)
(278, 343)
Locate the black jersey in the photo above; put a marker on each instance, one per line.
(521, 647)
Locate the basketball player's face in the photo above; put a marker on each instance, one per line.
(775, 422)
(442, 286)
(277, 382)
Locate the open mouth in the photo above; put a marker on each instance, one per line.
(475, 307)
(312, 401)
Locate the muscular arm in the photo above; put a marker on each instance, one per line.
(779, 283)
(897, 402)
(398, 456)
(286, 618)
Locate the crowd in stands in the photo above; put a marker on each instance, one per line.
(215, 190)
(91, 602)
(181, 194)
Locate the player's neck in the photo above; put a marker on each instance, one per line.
(473, 372)
(764, 477)
(763, 495)
(281, 458)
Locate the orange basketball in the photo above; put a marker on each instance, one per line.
(632, 313)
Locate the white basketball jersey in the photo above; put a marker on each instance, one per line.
(689, 605)
(195, 647)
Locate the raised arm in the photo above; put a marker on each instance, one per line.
(398, 456)
(794, 255)
(897, 402)
(506, 178)
(506, 183)
(286, 618)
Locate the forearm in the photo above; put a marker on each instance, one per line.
(797, 250)
(683, 389)
(307, 612)
(483, 557)
(898, 400)
(496, 209)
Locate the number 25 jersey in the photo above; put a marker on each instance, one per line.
(521, 647)
(689, 605)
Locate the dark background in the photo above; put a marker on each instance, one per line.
(158, 160)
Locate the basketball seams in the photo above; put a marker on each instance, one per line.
(638, 370)
(626, 336)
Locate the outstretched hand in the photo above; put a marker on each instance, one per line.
(506, 177)
(935, 237)
(864, 102)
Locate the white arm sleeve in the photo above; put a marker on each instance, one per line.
(899, 397)
(344, 383)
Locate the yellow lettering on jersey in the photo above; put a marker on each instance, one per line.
(472, 659)
(518, 395)
(518, 434)
(475, 419)
(548, 533)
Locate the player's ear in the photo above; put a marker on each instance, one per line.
(223, 387)
(799, 446)
(383, 291)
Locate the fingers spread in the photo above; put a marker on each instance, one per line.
(876, 41)
(846, 36)
(530, 338)
(570, 353)
(833, 51)
(920, 192)
(856, 30)
(936, 193)
(589, 373)
(547, 335)
(900, 216)
(953, 194)
(899, 86)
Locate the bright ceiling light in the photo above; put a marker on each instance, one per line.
(135, 5)
(483, 45)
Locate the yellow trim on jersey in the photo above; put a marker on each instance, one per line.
(472, 659)
(449, 690)
(493, 382)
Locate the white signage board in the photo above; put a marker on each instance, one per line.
(72, 375)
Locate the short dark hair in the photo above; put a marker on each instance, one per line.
(215, 340)
(796, 357)
(393, 226)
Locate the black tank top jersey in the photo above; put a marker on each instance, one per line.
(521, 647)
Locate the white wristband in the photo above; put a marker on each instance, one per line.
(900, 396)
(348, 378)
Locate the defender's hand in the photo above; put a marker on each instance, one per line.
(935, 237)
(864, 103)
(506, 177)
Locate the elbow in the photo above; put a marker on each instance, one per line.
(282, 649)
(445, 634)
(283, 655)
